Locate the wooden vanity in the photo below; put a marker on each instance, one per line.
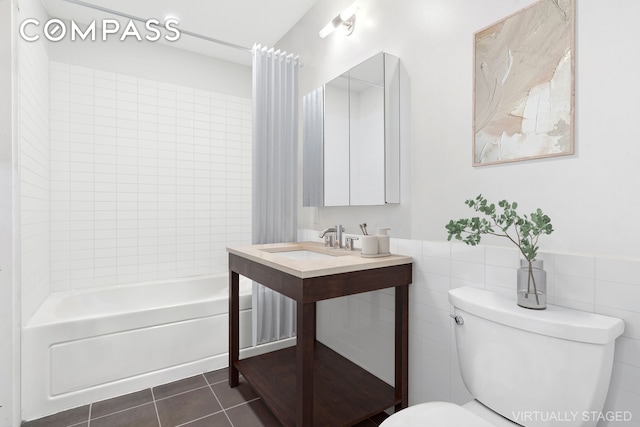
(309, 384)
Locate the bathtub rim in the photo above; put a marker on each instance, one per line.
(44, 316)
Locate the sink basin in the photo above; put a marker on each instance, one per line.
(303, 255)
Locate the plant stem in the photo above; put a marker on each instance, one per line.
(531, 278)
(514, 242)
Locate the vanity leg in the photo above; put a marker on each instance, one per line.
(234, 320)
(306, 322)
(402, 346)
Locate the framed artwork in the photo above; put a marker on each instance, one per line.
(524, 85)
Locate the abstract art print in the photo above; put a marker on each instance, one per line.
(524, 85)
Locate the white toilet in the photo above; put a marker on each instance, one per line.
(523, 367)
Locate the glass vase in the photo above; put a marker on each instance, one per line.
(532, 285)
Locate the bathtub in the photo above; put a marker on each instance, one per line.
(90, 345)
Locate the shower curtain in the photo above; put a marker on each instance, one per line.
(275, 173)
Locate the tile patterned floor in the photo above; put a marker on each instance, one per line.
(200, 401)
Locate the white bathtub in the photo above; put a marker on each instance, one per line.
(86, 346)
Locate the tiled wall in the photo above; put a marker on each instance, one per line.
(609, 286)
(34, 173)
(149, 180)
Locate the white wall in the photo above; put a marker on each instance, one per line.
(586, 194)
(34, 167)
(9, 270)
(156, 61)
(149, 180)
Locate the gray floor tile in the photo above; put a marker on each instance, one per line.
(189, 402)
(252, 414)
(215, 420)
(180, 386)
(233, 396)
(141, 416)
(187, 407)
(217, 376)
(120, 403)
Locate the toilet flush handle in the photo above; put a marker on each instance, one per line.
(459, 320)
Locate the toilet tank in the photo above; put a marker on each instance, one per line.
(535, 367)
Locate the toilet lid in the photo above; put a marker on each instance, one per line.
(441, 414)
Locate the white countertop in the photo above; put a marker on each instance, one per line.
(341, 261)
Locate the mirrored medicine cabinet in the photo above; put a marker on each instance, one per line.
(351, 137)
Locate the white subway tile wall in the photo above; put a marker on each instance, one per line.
(34, 173)
(149, 180)
(609, 286)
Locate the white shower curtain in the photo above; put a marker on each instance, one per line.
(275, 173)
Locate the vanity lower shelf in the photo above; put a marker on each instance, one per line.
(344, 394)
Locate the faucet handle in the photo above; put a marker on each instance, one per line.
(348, 242)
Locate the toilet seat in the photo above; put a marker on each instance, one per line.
(441, 414)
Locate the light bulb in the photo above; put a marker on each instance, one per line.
(328, 29)
(346, 18)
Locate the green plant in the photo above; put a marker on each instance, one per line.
(523, 231)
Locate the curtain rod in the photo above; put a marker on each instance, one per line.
(137, 18)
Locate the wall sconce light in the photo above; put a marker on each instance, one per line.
(346, 19)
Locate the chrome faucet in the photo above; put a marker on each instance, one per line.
(329, 235)
(333, 236)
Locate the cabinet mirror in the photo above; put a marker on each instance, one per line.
(351, 138)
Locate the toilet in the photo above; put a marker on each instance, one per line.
(535, 368)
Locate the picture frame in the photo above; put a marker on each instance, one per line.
(524, 85)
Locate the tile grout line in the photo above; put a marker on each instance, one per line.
(121, 411)
(153, 396)
(209, 385)
(244, 403)
(182, 392)
(218, 400)
(198, 419)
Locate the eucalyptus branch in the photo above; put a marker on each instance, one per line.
(528, 229)
(519, 240)
(505, 234)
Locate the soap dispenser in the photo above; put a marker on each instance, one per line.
(383, 240)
